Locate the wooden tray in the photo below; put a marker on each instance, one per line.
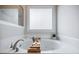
(34, 50)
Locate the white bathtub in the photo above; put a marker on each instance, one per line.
(64, 45)
(47, 45)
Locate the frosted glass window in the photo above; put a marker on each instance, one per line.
(40, 18)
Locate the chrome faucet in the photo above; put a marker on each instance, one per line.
(14, 47)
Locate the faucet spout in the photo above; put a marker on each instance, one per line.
(15, 45)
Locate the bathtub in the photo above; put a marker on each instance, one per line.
(47, 45)
(62, 46)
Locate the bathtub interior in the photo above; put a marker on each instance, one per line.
(45, 44)
(49, 44)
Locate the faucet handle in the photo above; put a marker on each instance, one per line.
(20, 45)
(11, 45)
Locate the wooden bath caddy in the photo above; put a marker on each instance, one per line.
(34, 50)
